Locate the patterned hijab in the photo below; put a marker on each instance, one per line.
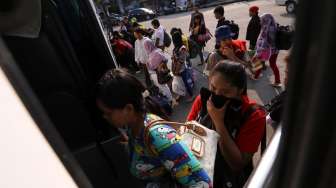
(266, 39)
(155, 55)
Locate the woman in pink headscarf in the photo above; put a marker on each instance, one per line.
(155, 59)
(266, 49)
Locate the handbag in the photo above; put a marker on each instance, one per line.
(256, 65)
(201, 140)
(203, 38)
(176, 66)
(163, 74)
(253, 66)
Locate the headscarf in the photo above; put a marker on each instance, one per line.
(254, 9)
(266, 39)
(155, 55)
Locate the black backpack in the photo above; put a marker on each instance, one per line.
(224, 177)
(284, 37)
(166, 40)
(234, 28)
(276, 105)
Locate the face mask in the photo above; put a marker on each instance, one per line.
(218, 100)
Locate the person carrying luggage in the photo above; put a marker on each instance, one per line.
(157, 155)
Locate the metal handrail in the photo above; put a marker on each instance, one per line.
(264, 168)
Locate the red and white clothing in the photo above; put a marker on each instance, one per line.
(250, 134)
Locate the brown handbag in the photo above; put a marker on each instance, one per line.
(176, 66)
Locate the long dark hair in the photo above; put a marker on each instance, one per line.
(202, 24)
(177, 41)
(117, 88)
(232, 72)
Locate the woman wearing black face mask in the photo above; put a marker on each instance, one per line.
(240, 124)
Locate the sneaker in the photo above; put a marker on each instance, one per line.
(278, 85)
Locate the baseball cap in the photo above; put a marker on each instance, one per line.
(223, 32)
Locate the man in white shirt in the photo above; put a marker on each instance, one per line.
(141, 56)
(158, 36)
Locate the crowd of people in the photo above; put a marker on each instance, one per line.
(224, 106)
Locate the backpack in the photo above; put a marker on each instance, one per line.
(224, 176)
(166, 40)
(284, 37)
(275, 107)
(234, 28)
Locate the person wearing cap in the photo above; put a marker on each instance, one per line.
(228, 49)
(253, 28)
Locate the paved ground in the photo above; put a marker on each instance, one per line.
(259, 90)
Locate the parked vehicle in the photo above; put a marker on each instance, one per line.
(181, 5)
(142, 14)
(280, 2)
(291, 6)
(167, 10)
(115, 19)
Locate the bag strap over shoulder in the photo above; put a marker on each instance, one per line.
(249, 111)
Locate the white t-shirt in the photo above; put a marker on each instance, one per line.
(141, 55)
(159, 34)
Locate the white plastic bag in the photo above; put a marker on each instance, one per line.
(178, 86)
(211, 140)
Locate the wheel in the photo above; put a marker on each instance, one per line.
(290, 7)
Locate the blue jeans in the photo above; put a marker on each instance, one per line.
(186, 76)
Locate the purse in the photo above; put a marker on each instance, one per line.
(199, 139)
(253, 66)
(257, 65)
(204, 37)
(163, 74)
(176, 66)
